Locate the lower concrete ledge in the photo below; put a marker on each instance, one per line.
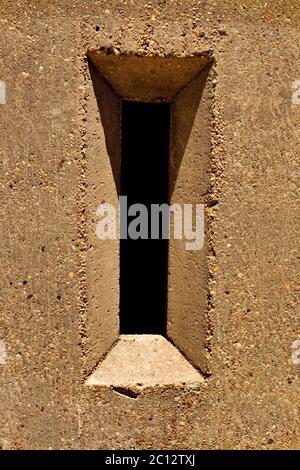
(138, 361)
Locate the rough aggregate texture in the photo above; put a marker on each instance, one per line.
(250, 398)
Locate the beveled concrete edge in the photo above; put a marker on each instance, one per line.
(110, 372)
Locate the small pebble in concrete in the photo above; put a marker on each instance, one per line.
(3, 354)
(296, 92)
(296, 352)
(2, 92)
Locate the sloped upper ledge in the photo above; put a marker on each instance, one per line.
(148, 79)
(139, 361)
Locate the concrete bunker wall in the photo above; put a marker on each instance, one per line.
(55, 276)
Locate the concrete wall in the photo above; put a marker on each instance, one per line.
(48, 184)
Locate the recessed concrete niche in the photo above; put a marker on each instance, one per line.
(149, 139)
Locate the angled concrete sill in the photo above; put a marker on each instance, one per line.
(139, 361)
(148, 79)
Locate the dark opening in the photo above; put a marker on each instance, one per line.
(144, 180)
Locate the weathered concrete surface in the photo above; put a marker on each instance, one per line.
(251, 398)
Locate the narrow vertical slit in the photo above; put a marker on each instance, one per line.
(144, 180)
